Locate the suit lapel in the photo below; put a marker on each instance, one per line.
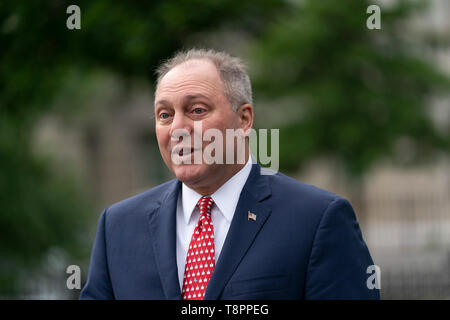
(163, 232)
(240, 236)
(242, 231)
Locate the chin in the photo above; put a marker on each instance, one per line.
(190, 173)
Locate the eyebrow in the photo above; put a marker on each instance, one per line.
(163, 102)
(186, 98)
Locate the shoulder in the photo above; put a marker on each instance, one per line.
(142, 203)
(311, 207)
(297, 192)
(306, 204)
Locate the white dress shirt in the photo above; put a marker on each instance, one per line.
(225, 199)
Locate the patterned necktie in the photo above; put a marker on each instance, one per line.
(200, 257)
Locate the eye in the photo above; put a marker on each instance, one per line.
(198, 110)
(163, 115)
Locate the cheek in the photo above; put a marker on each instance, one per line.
(222, 122)
(163, 138)
(217, 123)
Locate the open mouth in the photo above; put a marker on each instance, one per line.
(183, 151)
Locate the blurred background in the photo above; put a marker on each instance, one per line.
(362, 113)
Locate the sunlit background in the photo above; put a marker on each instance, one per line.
(362, 113)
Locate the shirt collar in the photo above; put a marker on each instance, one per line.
(225, 198)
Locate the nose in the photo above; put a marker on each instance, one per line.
(181, 126)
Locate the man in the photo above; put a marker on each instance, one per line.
(223, 230)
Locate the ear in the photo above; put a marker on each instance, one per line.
(245, 114)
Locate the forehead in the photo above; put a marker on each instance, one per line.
(191, 77)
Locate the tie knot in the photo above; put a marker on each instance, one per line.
(205, 205)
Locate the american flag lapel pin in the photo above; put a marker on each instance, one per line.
(252, 216)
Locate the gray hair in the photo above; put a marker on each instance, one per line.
(232, 71)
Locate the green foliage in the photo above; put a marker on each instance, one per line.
(39, 211)
(359, 90)
(39, 56)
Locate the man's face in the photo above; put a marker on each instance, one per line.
(192, 92)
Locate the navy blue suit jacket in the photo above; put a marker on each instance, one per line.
(304, 244)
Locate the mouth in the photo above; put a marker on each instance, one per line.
(183, 151)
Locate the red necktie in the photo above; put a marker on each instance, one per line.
(200, 257)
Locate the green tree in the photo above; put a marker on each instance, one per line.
(38, 54)
(359, 91)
